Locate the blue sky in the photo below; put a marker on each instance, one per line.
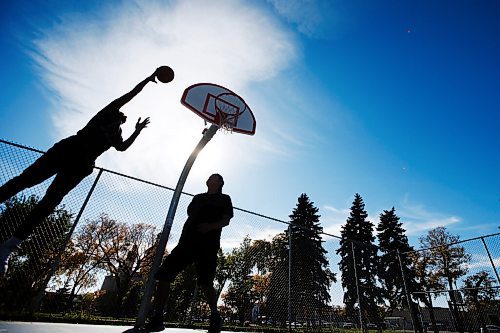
(395, 100)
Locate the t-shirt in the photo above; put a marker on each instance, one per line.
(206, 208)
(101, 132)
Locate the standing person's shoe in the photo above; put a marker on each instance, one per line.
(215, 323)
(155, 324)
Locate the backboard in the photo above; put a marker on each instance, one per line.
(220, 106)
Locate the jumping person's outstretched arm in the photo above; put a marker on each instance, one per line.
(139, 126)
(121, 101)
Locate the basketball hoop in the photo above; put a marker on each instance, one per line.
(228, 109)
(220, 106)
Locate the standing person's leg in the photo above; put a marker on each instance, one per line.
(206, 265)
(174, 263)
(64, 182)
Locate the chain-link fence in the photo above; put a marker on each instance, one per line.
(458, 285)
(91, 259)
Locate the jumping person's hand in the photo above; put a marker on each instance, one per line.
(152, 77)
(139, 126)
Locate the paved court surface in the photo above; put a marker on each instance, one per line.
(35, 327)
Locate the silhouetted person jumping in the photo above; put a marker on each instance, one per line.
(199, 243)
(71, 160)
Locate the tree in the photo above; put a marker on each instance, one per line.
(357, 236)
(449, 263)
(240, 295)
(311, 277)
(30, 265)
(77, 270)
(480, 294)
(422, 261)
(392, 240)
(277, 299)
(122, 250)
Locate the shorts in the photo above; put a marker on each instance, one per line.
(182, 256)
(70, 155)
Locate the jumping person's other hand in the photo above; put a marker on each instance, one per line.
(139, 126)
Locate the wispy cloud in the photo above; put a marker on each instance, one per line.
(482, 262)
(417, 218)
(333, 219)
(310, 16)
(89, 61)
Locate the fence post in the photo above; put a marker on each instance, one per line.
(411, 306)
(36, 302)
(491, 260)
(357, 287)
(290, 277)
(162, 244)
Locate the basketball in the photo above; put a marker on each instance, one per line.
(164, 74)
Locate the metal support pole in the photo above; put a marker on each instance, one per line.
(357, 286)
(148, 291)
(491, 260)
(289, 277)
(37, 300)
(408, 297)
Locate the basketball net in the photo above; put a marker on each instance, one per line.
(226, 117)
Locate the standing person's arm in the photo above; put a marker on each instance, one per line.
(223, 222)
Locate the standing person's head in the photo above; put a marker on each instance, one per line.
(215, 183)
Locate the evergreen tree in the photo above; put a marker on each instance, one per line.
(394, 246)
(358, 233)
(311, 277)
(391, 239)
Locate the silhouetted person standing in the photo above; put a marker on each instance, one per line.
(71, 160)
(199, 243)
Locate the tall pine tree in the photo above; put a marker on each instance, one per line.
(391, 239)
(358, 232)
(310, 275)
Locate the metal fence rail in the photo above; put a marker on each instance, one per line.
(93, 255)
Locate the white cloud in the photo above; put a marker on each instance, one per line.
(417, 218)
(333, 219)
(310, 16)
(482, 262)
(89, 61)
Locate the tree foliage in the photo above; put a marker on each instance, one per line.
(359, 258)
(30, 265)
(310, 277)
(117, 249)
(449, 263)
(392, 240)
